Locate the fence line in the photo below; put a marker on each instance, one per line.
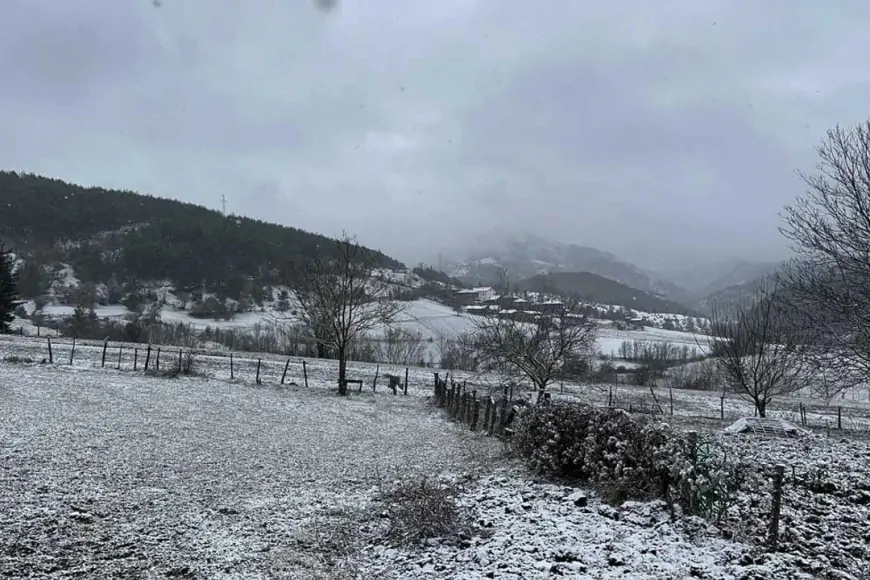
(491, 415)
(174, 361)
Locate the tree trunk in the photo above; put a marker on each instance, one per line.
(541, 389)
(761, 407)
(342, 371)
(321, 350)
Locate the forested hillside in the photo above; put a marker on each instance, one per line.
(594, 288)
(121, 235)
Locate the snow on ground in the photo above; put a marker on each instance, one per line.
(110, 311)
(114, 474)
(541, 530)
(825, 503)
(610, 339)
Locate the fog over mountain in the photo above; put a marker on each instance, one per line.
(668, 135)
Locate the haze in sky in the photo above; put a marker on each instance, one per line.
(664, 132)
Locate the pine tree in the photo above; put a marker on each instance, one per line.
(8, 290)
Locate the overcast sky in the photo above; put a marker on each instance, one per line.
(664, 131)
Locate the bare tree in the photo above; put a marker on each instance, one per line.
(341, 296)
(760, 351)
(535, 350)
(829, 230)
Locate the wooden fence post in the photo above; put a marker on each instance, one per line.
(50, 353)
(671, 394)
(840, 418)
(284, 374)
(232, 368)
(475, 410)
(305, 373)
(135, 358)
(721, 407)
(120, 350)
(157, 362)
(258, 370)
(179, 360)
(406, 380)
(103, 359)
(457, 403)
(72, 351)
(773, 531)
(147, 357)
(492, 417)
(375, 382)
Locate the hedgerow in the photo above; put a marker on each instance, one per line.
(625, 457)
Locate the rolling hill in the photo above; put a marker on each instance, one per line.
(525, 256)
(127, 237)
(595, 288)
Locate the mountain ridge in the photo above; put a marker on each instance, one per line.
(526, 255)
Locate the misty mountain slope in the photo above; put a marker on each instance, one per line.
(741, 273)
(734, 286)
(525, 256)
(107, 234)
(598, 289)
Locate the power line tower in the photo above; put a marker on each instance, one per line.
(224, 205)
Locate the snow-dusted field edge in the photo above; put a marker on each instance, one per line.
(118, 475)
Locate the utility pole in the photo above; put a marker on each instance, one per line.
(224, 205)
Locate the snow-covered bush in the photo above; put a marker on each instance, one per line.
(625, 457)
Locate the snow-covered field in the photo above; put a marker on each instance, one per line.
(113, 474)
(610, 339)
(433, 321)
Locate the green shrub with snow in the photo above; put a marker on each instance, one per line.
(625, 457)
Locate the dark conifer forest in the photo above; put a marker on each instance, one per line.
(129, 237)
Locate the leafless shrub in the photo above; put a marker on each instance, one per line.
(401, 347)
(15, 359)
(419, 509)
(460, 354)
(699, 376)
(182, 366)
(325, 548)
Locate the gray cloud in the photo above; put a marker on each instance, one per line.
(664, 132)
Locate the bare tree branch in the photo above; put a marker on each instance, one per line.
(829, 230)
